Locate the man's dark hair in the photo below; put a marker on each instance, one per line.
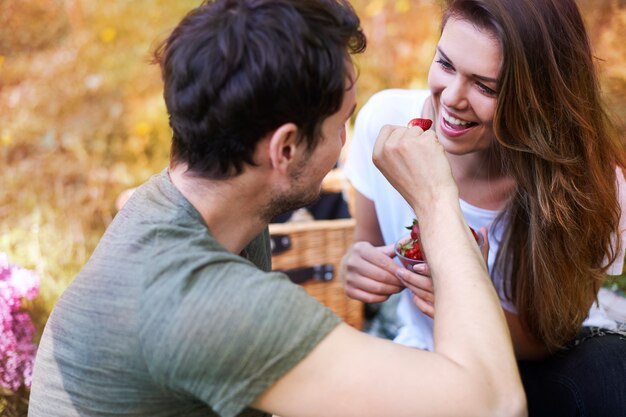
(234, 70)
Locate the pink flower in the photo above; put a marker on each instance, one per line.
(17, 350)
(25, 283)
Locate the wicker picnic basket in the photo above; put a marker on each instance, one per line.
(310, 252)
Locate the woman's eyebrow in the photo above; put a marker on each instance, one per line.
(477, 76)
(485, 79)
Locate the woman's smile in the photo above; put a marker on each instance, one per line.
(452, 126)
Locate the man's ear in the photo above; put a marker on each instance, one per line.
(283, 146)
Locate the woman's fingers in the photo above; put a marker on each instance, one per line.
(422, 288)
(365, 296)
(370, 273)
(424, 307)
(416, 280)
(422, 269)
(371, 285)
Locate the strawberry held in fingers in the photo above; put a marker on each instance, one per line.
(424, 124)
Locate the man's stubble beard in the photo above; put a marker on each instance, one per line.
(298, 196)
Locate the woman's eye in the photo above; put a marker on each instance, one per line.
(486, 90)
(445, 65)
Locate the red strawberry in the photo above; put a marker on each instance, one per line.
(425, 124)
(415, 230)
(411, 248)
(414, 253)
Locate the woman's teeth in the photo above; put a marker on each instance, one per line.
(454, 121)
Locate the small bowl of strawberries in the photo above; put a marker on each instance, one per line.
(409, 250)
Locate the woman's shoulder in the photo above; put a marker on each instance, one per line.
(619, 175)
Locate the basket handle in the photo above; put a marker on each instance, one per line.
(279, 243)
(320, 272)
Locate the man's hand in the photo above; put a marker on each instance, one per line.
(415, 164)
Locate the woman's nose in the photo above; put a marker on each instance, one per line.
(454, 95)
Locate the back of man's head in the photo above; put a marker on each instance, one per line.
(234, 70)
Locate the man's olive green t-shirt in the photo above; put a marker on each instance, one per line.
(164, 321)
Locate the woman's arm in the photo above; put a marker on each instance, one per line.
(368, 270)
(367, 227)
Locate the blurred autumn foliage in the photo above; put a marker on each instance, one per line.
(82, 116)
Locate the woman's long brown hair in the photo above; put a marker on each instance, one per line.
(556, 139)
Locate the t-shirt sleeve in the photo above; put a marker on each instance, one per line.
(229, 332)
(391, 106)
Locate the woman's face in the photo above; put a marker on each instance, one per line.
(463, 83)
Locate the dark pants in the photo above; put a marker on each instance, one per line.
(588, 379)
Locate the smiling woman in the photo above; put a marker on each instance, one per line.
(538, 162)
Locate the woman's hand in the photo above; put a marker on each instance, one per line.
(370, 272)
(421, 285)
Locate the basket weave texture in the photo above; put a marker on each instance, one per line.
(321, 242)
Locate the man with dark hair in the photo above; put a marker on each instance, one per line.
(177, 312)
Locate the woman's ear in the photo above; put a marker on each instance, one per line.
(283, 146)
